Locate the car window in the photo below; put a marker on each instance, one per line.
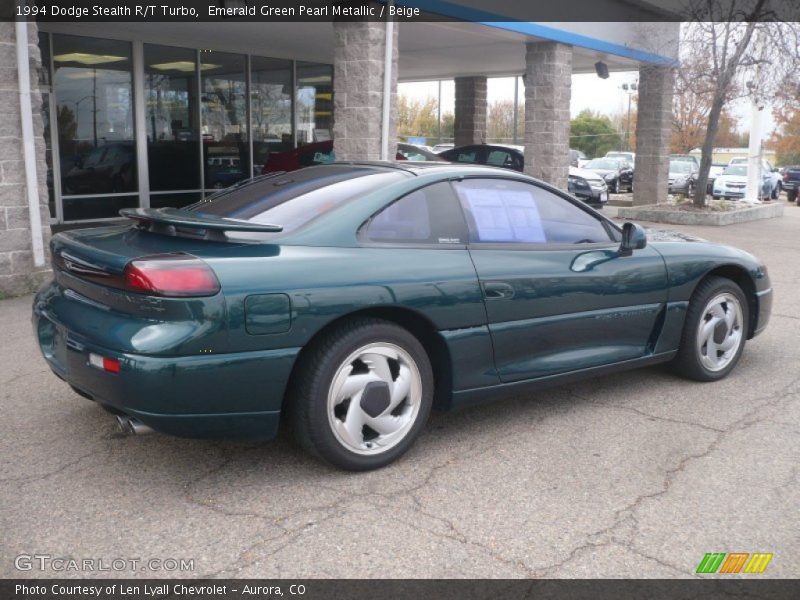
(470, 155)
(429, 215)
(498, 158)
(505, 211)
(294, 199)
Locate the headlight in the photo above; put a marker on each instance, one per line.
(680, 180)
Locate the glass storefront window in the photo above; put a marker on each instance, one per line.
(226, 152)
(314, 102)
(172, 119)
(94, 99)
(271, 108)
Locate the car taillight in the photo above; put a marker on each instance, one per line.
(171, 275)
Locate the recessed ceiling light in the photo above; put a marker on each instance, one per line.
(88, 59)
(187, 66)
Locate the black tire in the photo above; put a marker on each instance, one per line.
(616, 186)
(308, 396)
(776, 192)
(688, 362)
(791, 195)
(716, 197)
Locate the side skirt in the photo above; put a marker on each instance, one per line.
(486, 394)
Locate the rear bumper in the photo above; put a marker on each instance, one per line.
(231, 395)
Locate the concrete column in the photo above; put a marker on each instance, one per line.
(653, 133)
(358, 59)
(548, 88)
(18, 275)
(470, 117)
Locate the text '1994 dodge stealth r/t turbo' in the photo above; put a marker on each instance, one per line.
(349, 299)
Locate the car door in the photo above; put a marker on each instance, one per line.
(559, 297)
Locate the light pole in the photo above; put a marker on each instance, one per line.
(630, 89)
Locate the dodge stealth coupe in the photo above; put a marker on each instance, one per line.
(349, 299)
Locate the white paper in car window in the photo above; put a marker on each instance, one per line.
(504, 215)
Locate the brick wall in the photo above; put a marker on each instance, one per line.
(548, 89)
(358, 60)
(18, 275)
(470, 111)
(653, 135)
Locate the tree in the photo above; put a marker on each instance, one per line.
(420, 118)
(727, 49)
(786, 140)
(500, 122)
(593, 134)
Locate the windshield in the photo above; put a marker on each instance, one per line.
(292, 200)
(625, 155)
(677, 166)
(602, 163)
(736, 170)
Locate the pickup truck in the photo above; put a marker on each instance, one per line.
(791, 182)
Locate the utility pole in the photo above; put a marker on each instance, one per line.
(630, 89)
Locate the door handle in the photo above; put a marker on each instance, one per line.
(497, 290)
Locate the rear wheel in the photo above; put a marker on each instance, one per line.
(715, 331)
(362, 395)
(791, 195)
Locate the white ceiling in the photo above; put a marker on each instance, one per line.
(427, 50)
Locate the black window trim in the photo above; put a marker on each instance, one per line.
(607, 224)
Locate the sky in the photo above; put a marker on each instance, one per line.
(588, 91)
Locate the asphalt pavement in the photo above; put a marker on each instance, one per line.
(637, 474)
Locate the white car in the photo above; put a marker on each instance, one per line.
(776, 180)
(732, 183)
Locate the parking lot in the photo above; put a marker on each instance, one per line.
(632, 475)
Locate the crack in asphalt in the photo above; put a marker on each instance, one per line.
(621, 515)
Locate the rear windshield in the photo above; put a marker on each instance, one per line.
(294, 199)
(736, 170)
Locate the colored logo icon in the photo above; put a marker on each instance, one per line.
(734, 562)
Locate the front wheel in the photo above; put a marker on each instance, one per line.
(791, 195)
(615, 189)
(362, 395)
(714, 332)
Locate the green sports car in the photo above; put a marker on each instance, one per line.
(351, 298)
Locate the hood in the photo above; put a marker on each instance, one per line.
(668, 235)
(585, 173)
(731, 179)
(602, 172)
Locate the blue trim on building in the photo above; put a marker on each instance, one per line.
(474, 15)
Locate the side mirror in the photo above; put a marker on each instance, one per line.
(634, 237)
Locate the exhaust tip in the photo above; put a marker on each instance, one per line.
(131, 426)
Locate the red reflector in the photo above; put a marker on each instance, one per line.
(171, 275)
(111, 365)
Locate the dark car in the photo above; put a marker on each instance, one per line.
(791, 182)
(317, 153)
(351, 298)
(493, 155)
(617, 172)
(582, 184)
(106, 169)
(415, 153)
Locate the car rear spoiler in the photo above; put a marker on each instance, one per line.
(170, 222)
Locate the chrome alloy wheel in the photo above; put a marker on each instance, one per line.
(374, 398)
(720, 334)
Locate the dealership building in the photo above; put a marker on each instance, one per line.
(115, 115)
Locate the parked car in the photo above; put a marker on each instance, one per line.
(616, 171)
(439, 148)
(416, 153)
(686, 158)
(576, 157)
(628, 156)
(767, 170)
(791, 182)
(494, 155)
(349, 299)
(587, 186)
(584, 185)
(714, 171)
(307, 155)
(106, 169)
(732, 184)
(682, 177)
